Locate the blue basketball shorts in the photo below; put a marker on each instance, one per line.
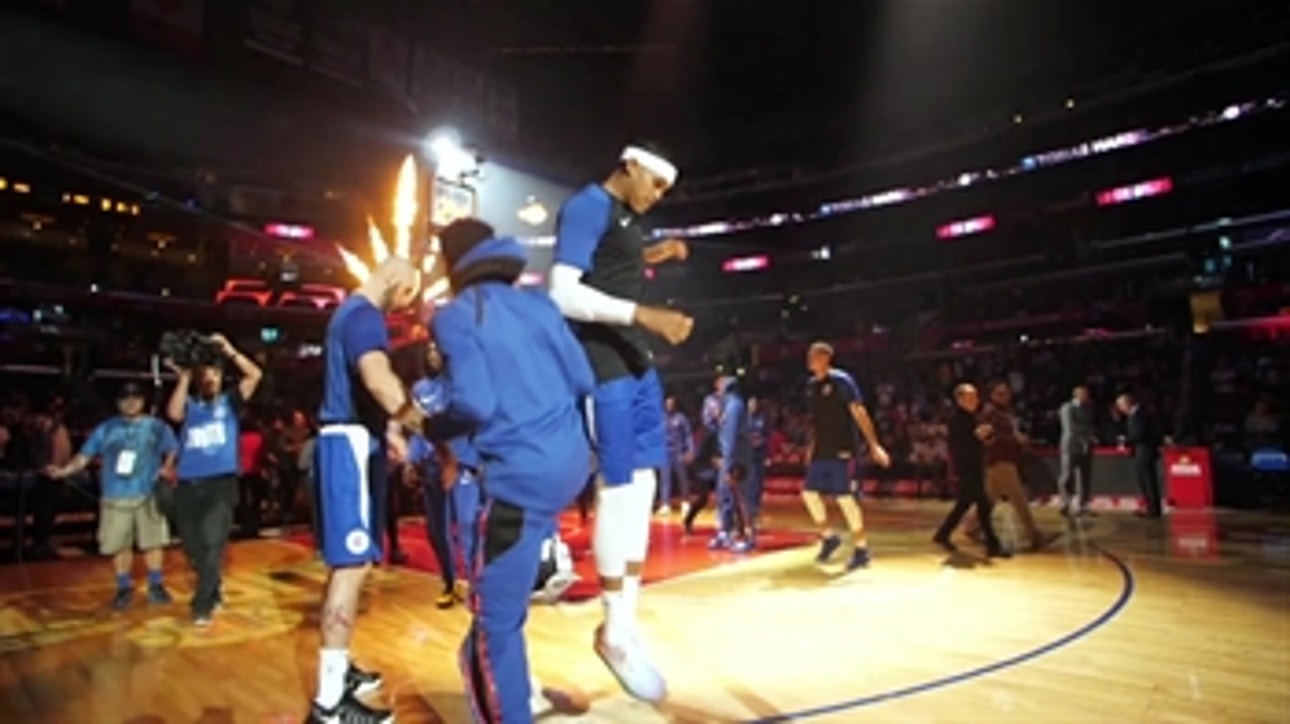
(628, 427)
(350, 468)
(832, 476)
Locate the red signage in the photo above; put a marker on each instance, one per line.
(966, 227)
(1189, 477)
(1144, 190)
(296, 232)
(745, 264)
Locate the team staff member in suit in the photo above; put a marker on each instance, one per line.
(1143, 438)
(135, 448)
(208, 466)
(967, 458)
(598, 281)
(837, 410)
(1078, 436)
(363, 400)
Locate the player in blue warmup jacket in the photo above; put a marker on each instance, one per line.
(598, 281)
(515, 379)
(735, 453)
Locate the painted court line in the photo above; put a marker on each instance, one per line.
(1127, 586)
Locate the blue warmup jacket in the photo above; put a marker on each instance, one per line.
(732, 430)
(516, 377)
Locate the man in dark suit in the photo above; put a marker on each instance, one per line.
(1143, 438)
(967, 457)
(1077, 439)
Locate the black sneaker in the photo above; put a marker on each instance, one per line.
(828, 546)
(159, 596)
(121, 600)
(360, 682)
(348, 710)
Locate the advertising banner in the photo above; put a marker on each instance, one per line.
(1189, 477)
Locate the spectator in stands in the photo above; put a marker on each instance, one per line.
(134, 449)
(51, 447)
(1262, 427)
(208, 466)
(290, 440)
(252, 481)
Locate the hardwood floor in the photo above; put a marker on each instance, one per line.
(1185, 620)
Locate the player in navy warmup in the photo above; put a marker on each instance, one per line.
(515, 379)
(836, 410)
(598, 281)
(361, 398)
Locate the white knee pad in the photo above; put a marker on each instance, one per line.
(611, 539)
(644, 486)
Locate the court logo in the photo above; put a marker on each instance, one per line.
(357, 542)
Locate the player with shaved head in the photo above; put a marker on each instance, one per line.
(362, 396)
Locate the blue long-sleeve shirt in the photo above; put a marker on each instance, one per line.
(680, 436)
(516, 377)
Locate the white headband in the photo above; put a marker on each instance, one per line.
(652, 162)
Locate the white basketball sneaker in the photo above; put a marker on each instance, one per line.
(630, 664)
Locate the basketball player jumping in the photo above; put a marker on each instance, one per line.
(360, 395)
(597, 281)
(837, 410)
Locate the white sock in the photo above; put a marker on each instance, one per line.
(631, 596)
(611, 541)
(618, 615)
(332, 665)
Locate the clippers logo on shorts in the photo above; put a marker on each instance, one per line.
(357, 542)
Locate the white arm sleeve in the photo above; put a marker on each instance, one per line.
(581, 303)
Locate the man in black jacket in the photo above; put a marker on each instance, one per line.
(1143, 438)
(967, 458)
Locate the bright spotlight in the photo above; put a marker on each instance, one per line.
(452, 160)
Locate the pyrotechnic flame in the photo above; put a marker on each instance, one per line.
(405, 208)
(404, 218)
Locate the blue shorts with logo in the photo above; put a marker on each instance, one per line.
(350, 468)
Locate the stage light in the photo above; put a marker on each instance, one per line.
(452, 159)
(746, 264)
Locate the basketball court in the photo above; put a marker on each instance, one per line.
(1122, 620)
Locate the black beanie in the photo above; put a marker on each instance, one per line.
(459, 237)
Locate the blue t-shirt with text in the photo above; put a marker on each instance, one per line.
(209, 437)
(131, 451)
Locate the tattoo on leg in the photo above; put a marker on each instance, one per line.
(337, 620)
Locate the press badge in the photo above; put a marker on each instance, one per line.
(125, 463)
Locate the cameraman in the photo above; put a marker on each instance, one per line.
(208, 462)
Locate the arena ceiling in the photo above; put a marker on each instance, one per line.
(738, 84)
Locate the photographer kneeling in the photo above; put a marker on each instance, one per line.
(208, 454)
